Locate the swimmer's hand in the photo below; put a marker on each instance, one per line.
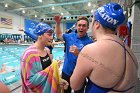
(59, 62)
(63, 84)
(74, 50)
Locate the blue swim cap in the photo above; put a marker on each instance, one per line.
(41, 28)
(110, 15)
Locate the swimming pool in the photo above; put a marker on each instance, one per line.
(10, 56)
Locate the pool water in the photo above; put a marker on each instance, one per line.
(10, 56)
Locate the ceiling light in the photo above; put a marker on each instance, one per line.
(89, 4)
(92, 11)
(62, 14)
(68, 17)
(23, 11)
(41, 20)
(124, 12)
(88, 16)
(53, 8)
(6, 5)
(35, 16)
(40, 1)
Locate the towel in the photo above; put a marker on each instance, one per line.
(53, 78)
(36, 80)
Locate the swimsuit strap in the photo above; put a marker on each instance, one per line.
(125, 50)
(122, 90)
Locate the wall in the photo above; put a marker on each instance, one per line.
(136, 32)
(18, 22)
(62, 25)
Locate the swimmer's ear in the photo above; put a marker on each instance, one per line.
(97, 25)
(39, 37)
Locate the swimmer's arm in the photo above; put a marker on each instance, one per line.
(4, 88)
(58, 30)
(81, 71)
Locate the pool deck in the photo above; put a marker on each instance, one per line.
(15, 87)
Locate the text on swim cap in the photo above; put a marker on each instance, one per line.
(106, 17)
(42, 27)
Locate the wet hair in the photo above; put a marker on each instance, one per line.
(83, 18)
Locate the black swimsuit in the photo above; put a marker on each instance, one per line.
(45, 61)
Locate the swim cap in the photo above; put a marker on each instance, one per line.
(110, 15)
(41, 28)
